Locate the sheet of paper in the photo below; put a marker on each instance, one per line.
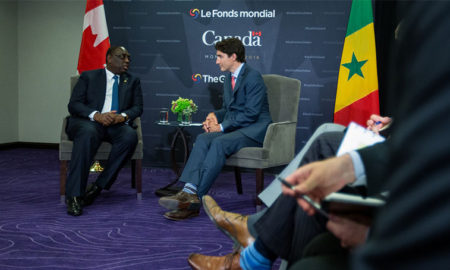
(357, 137)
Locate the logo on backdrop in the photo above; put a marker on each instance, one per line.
(215, 13)
(207, 78)
(194, 13)
(197, 77)
(249, 39)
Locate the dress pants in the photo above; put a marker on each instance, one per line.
(208, 156)
(324, 252)
(87, 136)
(284, 227)
(320, 146)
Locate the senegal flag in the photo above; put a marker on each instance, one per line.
(357, 89)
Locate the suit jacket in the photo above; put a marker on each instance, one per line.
(245, 108)
(412, 230)
(89, 94)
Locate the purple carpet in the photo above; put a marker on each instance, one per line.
(116, 232)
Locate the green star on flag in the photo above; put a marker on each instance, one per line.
(354, 67)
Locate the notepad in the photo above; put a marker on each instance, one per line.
(354, 199)
(357, 137)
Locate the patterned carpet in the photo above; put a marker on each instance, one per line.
(116, 232)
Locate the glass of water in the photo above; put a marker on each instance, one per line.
(164, 116)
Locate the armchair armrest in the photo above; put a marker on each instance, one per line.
(280, 142)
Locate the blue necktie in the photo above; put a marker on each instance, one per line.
(115, 95)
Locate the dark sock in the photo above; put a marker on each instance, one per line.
(264, 250)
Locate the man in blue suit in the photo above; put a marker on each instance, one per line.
(241, 122)
(103, 105)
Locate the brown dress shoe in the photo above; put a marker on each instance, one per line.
(181, 200)
(181, 214)
(233, 225)
(228, 262)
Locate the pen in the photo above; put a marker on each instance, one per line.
(377, 122)
(310, 201)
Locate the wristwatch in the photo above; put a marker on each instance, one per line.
(125, 116)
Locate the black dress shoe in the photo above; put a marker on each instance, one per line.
(92, 192)
(74, 207)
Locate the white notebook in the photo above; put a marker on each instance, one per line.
(357, 137)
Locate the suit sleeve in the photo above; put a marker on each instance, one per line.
(374, 159)
(412, 230)
(255, 93)
(135, 107)
(79, 99)
(220, 114)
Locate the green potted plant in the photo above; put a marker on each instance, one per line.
(184, 108)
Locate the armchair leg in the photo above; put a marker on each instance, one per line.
(259, 184)
(62, 180)
(237, 176)
(133, 173)
(138, 173)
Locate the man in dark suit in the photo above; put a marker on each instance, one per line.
(241, 122)
(103, 105)
(411, 230)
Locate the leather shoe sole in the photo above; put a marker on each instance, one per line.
(172, 203)
(239, 235)
(181, 214)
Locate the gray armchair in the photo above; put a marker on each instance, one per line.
(279, 143)
(65, 153)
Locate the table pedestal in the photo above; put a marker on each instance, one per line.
(171, 188)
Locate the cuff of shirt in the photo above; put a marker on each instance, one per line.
(360, 173)
(221, 128)
(91, 116)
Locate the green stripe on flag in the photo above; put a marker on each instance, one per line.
(360, 15)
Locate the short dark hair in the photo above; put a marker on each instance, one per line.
(230, 46)
(110, 51)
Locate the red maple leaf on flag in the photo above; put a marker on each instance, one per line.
(95, 40)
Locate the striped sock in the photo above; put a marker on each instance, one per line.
(251, 258)
(190, 188)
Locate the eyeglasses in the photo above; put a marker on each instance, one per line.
(123, 56)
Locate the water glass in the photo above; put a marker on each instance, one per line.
(164, 116)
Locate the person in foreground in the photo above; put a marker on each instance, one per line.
(103, 105)
(241, 122)
(282, 230)
(411, 230)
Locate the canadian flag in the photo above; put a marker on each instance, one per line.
(95, 40)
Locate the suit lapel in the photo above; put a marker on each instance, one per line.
(230, 91)
(101, 89)
(238, 83)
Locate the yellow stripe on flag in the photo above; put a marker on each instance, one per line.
(362, 44)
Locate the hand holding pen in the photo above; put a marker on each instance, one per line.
(312, 203)
(318, 179)
(377, 123)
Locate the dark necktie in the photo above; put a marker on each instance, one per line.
(233, 82)
(115, 95)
